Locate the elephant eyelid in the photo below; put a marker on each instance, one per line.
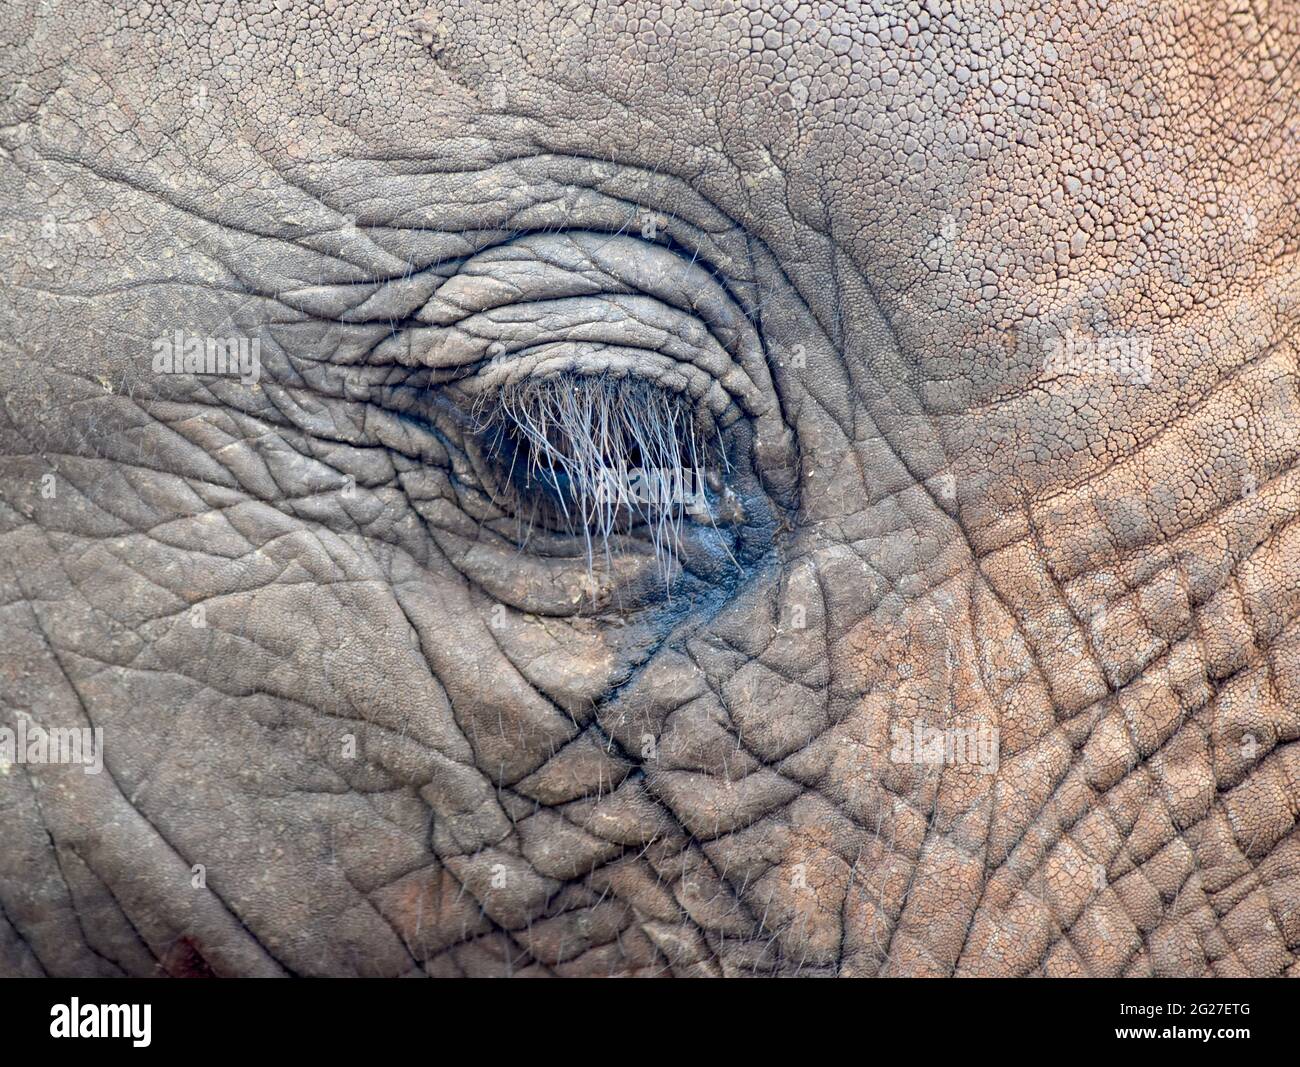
(604, 448)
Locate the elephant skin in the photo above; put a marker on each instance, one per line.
(986, 658)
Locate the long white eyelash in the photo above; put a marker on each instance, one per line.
(584, 431)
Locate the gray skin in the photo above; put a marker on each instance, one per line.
(995, 311)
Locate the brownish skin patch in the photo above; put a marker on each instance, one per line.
(186, 961)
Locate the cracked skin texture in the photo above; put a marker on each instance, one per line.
(867, 225)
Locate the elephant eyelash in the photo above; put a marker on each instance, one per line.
(604, 450)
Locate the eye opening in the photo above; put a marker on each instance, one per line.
(597, 455)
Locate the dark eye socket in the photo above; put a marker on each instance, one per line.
(600, 455)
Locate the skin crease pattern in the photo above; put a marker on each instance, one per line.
(343, 347)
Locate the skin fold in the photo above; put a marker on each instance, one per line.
(993, 310)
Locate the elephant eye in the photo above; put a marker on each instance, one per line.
(600, 455)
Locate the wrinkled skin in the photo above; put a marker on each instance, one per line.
(396, 743)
